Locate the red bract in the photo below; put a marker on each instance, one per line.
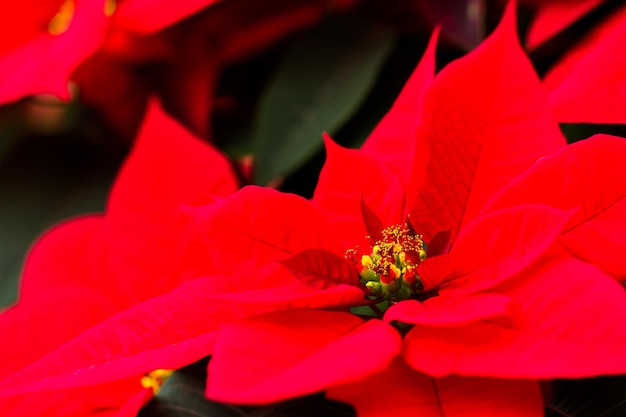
(508, 289)
(587, 85)
(552, 17)
(88, 269)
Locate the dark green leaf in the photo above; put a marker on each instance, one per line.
(594, 397)
(182, 395)
(324, 77)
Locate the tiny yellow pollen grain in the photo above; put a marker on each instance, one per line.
(61, 21)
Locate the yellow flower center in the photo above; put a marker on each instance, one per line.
(388, 269)
(155, 379)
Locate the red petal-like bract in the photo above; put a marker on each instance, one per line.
(553, 16)
(393, 138)
(85, 270)
(567, 321)
(475, 136)
(493, 248)
(286, 354)
(450, 311)
(145, 223)
(350, 178)
(594, 183)
(166, 332)
(401, 392)
(258, 225)
(588, 85)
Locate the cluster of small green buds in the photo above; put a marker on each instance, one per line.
(389, 267)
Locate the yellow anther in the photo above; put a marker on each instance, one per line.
(402, 257)
(397, 248)
(155, 379)
(396, 271)
(109, 7)
(366, 261)
(61, 21)
(375, 249)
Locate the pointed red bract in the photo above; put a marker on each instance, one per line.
(162, 332)
(567, 320)
(588, 84)
(392, 140)
(281, 355)
(87, 269)
(595, 185)
(474, 136)
(494, 247)
(364, 179)
(402, 392)
(551, 17)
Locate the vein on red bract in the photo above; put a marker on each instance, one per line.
(561, 307)
(286, 354)
(594, 185)
(402, 392)
(320, 268)
(259, 225)
(475, 137)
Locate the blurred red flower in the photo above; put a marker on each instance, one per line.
(138, 246)
(118, 53)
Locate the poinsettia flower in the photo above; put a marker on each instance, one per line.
(503, 291)
(587, 84)
(43, 41)
(87, 269)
